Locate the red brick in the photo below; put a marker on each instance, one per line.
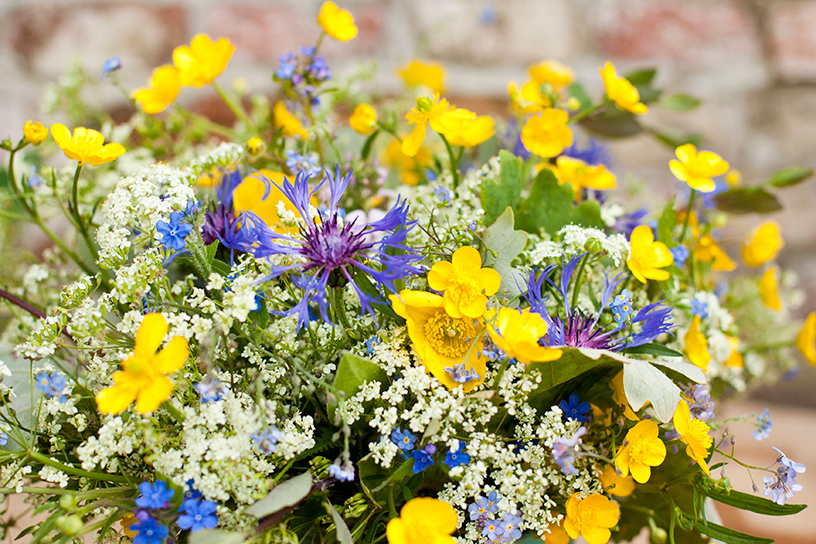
(792, 29)
(694, 32)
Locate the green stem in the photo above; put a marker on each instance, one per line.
(40, 458)
(206, 123)
(578, 281)
(740, 463)
(173, 411)
(236, 107)
(454, 165)
(83, 228)
(689, 209)
(587, 112)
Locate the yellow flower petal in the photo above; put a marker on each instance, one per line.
(172, 357)
(552, 72)
(202, 61)
(762, 245)
(338, 23)
(86, 145)
(286, 121)
(621, 91)
(647, 257)
(165, 85)
(547, 134)
(806, 340)
(697, 345)
(768, 290)
(591, 518)
(115, 399)
(150, 334)
(619, 486)
(364, 119)
(153, 395)
(428, 74)
(34, 132)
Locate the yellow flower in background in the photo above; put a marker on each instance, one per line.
(697, 345)
(363, 119)
(697, 169)
(202, 61)
(806, 340)
(556, 535)
(86, 145)
(423, 520)
(142, 377)
(552, 72)
(288, 122)
(547, 134)
(249, 196)
(464, 283)
(620, 91)
(647, 258)
(693, 433)
(442, 342)
(733, 177)
(34, 132)
(581, 175)
(735, 359)
(619, 486)
(165, 84)
(428, 111)
(210, 179)
(768, 290)
(338, 23)
(517, 334)
(641, 450)
(619, 396)
(255, 145)
(471, 130)
(706, 250)
(762, 245)
(531, 92)
(419, 73)
(126, 522)
(591, 518)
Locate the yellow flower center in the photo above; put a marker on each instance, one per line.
(449, 336)
(699, 433)
(463, 291)
(585, 519)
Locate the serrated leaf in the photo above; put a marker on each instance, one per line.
(342, 533)
(751, 503)
(210, 251)
(573, 363)
(284, 495)
(643, 76)
(352, 372)
(644, 383)
(680, 102)
(497, 196)
(550, 207)
(729, 536)
(216, 536)
(503, 244)
(742, 200)
(789, 176)
(654, 349)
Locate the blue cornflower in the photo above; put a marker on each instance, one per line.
(4, 438)
(442, 194)
(334, 250)
(174, 232)
(457, 457)
(110, 65)
(510, 525)
(655, 319)
(155, 495)
(701, 405)
(267, 439)
(210, 389)
(150, 531)
(344, 474)
(192, 207)
(594, 153)
(198, 514)
(783, 486)
(575, 409)
(680, 254)
(764, 426)
(422, 458)
(493, 529)
(371, 343)
(52, 385)
(699, 308)
(403, 440)
(563, 451)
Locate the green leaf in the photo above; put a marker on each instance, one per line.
(573, 363)
(576, 90)
(221, 267)
(352, 372)
(674, 138)
(654, 349)
(216, 536)
(343, 535)
(729, 536)
(666, 223)
(503, 244)
(550, 207)
(689, 370)
(23, 403)
(612, 122)
(643, 383)
(367, 286)
(751, 503)
(742, 200)
(789, 176)
(497, 196)
(284, 495)
(680, 102)
(641, 77)
(210, 251)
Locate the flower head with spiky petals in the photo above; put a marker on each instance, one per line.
(332, 251)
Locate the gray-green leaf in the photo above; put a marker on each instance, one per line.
(496, 196)
(644, 383)
(506, 243)
(284, 495)
(342, 530)
(216, 536)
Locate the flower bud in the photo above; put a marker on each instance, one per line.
(593, 246)
(70, 525)
(355, 506)
(34, 132)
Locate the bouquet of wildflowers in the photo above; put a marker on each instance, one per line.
(404, 323)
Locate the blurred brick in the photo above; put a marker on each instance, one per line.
(792, 27)
(690, 31)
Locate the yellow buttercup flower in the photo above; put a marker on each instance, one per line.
(619, 486)
(288, 122)
(620, 91)
(619, 396)
(693, 433)
(591, 518)
(442, 342)
(641, 450)
(806, 340)
(428, 111)
(556, 535)
(423, 520)
(580, 175)
(517, 334)
(34, 132)
(165, 84)
(338, 23)
(547, 134)
(706, 250)
(768, 290)
(472, 130)
(735, 359)
(464, 283)
(762, 245)
(86, 145)
(363, 119)
(249, 196)
(552, 72)
(531, 92)
(419, 73)
(255, 145)
(142, 377)
(697, 345)
(647, 258)
(697, 169)
(410, 168)
(202, 61)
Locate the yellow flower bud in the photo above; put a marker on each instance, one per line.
(34, 132)
(255, 145)
(364, 119)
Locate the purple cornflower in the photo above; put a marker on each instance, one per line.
(110, 65)
(699, 308)
(52, 385)
(701, 405)
(332, 250)
(457, 457)
(150, 531)
(563, 451)
(344, 473)
(763, 426)
(210, 389)
(783, 486)
(267, 439)
(198, 514)
(423, 458)
(575, 409)
(403, 440)
(155, 495)
(174, 232)
(680, 254)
